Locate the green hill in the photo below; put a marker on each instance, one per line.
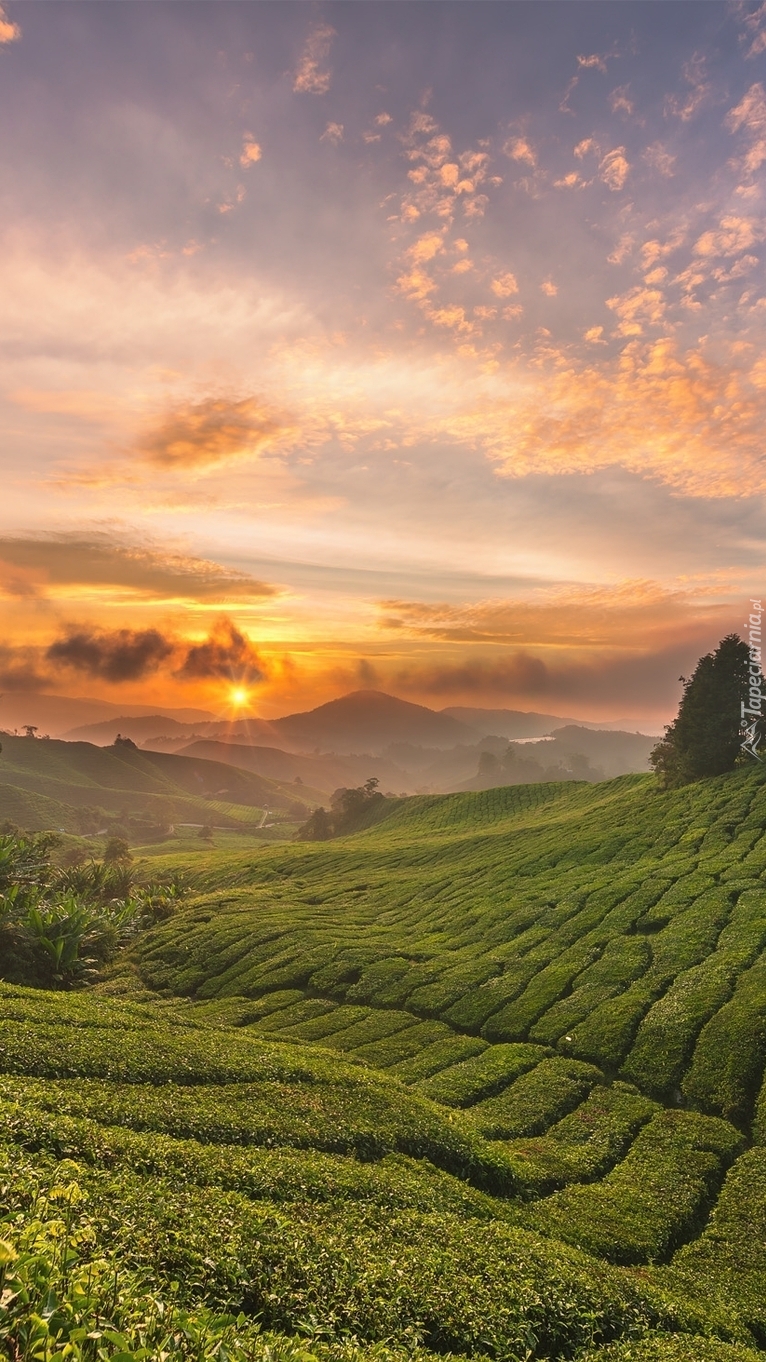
(481, 1080)
(46, 783)
(618, 925)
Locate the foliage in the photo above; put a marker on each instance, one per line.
(58, 925)
(350, 810)
(704, 739)
(652, 1200)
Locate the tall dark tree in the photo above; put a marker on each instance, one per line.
(706, 736)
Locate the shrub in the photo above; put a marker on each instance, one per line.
(652, 1200)
(537, 1099)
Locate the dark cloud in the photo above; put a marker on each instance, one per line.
(28, 566)
(227, 655)
(121, 655)
(644, 683)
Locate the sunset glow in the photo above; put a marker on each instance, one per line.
(410, 347)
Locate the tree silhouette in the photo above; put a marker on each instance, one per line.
(706, 736)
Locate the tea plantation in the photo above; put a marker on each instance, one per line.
(482, 1081)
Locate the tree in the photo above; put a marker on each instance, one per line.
(117, 849)
(349, 810)
(705, 738)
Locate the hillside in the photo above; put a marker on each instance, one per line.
(619, 925)
(325, 773)
(48, 783)
(368, 721)
(482, 1080)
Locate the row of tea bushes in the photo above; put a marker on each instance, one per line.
(651, 1201)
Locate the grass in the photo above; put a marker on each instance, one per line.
(482, 1080)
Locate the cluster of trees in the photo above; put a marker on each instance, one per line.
(349, 810)
(706, 737)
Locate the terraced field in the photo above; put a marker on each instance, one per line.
(481, 1080)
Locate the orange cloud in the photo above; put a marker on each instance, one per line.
(519, 149)
(505, 285)
(685, 106)
(637, 308)
(55, 564)
(212, 432)
(9, 32)
(614, 168)
(659, 159)
(733, 236)
(333, 133)
(679, 417)
(251, 151)
(633, 613)
(310, 78)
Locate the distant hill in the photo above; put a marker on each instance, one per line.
(152, 726)
(326, 773)
(368, 721)
(48, 783)
(518, 723)
(506, 723)
(570, 753)
(55, 714)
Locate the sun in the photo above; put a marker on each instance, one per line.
(239, 696)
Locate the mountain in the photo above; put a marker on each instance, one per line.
(151, 727)
(326, 773)
(518, 723)
(55, 714)
(367, 721)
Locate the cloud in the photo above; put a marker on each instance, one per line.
(637, 308)
(426, 247)
(634, 685)
(571, 181)
(226, 655)
(754, 25)
(519, 149)
(659, 159)
(115, 656)
(505, 285)
(610, 644)
(588, 147)
(549, 288)
(638, 613)
(310, 78)
(733, 236)
(438, 175)
(749, 116)
(333, 133)
(595, 62)
(9, 32)
(251, 151)
(622, 250)
(614, 168)
(35, 566)
(619, 100)
(686, 105)
(206, 434)
(20, 670)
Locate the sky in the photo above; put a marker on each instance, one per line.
(409, 346)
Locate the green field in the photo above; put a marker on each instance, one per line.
(76, 787)
(482, 1080)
